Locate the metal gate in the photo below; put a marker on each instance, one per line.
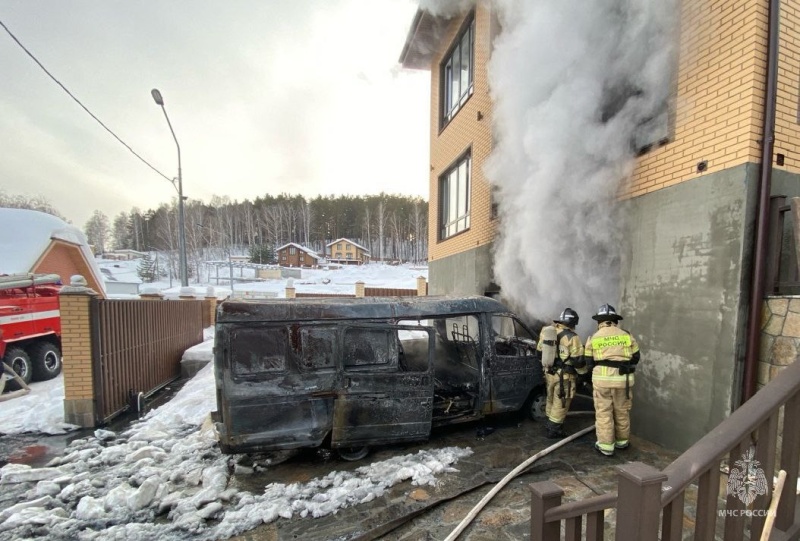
(137, 348)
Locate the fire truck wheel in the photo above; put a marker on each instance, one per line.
(46, 360)
(19, 361)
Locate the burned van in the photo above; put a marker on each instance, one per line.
(352, 373)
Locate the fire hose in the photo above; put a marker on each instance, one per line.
(505, 480)
(14, 394)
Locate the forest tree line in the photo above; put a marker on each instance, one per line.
(391, 227)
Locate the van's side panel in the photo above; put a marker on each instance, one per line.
(381, 400)
(269, 399)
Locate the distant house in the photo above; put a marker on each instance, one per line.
(40, 243)
(123, 255)
(347, 252)
(294, 255)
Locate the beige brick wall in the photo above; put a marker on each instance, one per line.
(76, 346)
(463, 131)
(787, 129)
(718, 111)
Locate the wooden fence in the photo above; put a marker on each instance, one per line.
(650, 504)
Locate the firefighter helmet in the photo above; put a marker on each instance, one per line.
(606, 312)
(568, 317)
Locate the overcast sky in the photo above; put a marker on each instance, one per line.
(295, 96)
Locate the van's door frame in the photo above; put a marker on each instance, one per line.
(382, 404)
(513, 374)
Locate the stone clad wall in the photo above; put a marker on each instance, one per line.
(780, 336)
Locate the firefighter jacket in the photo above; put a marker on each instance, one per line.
(570, 349)
(605, 349)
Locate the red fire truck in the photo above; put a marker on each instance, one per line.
(30, 326)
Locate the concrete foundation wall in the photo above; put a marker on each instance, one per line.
(465, 273)
(684, 296)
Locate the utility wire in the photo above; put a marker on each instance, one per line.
(82, 105)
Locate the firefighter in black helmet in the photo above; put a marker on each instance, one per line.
(561, 368)
(612, 355)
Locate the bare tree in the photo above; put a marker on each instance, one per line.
(36, 202)
(97, 231)
(121, 232)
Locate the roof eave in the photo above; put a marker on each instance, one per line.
(423, 40)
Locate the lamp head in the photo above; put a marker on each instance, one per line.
(157, 96)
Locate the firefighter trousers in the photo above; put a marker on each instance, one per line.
(612, 416)
(556, 410)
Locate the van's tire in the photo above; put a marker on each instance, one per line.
(535, 406)
(46, 360)
(19, 361)
(353, 454)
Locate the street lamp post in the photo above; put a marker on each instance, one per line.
(181, 230)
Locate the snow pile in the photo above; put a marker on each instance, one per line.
(41, 410)
(165, 479)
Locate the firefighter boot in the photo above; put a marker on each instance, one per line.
(555, 431)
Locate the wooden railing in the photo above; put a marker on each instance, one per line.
(650, 504)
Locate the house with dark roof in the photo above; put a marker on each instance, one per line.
(294, 255)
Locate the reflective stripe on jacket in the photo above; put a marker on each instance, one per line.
(610, 343)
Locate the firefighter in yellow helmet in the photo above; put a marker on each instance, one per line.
(564, 363)
(611, 354)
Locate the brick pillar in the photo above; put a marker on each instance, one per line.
(422, 286)
(290, 290)
(211, 297)
(360, 287)
(76, 347)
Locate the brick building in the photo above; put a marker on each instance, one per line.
(693, 199)
(347, 252)
(40, 243)
(294, 255)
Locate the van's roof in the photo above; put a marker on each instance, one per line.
(354, 308)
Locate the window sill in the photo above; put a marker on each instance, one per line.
(444, 123)
(441, 240)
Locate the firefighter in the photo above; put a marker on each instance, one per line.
(561, 365)
(611, 355)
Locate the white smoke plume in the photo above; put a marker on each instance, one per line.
(573, 82)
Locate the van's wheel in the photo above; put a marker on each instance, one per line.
(19, 361)
(46, 360)
(536, 406)
(353, 453)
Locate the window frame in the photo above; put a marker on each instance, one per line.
(446, 223)
(448, 107)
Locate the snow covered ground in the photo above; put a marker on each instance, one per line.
(164, 477)
(322, 280)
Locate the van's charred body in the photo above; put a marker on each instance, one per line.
(350, 373)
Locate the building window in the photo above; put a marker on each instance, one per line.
(283, 257)
(457, 72)
(349, 256)
(302, 257)
(454, 203)
(292, 250)
(339, 246)
(339, 254)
